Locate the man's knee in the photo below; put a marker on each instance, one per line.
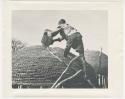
(82, 60)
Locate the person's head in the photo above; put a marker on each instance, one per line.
(62, 22)
(47, 32)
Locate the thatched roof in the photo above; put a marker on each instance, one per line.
(35, 65)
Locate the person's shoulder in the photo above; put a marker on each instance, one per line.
(72, 27)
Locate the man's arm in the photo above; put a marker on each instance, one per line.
(56, 32)
(61, 31)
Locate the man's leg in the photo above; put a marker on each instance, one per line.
(68, 46)
(80, 50)
(83, 62)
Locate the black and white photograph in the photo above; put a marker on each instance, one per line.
(61, 49)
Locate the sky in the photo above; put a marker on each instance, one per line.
(29, 25)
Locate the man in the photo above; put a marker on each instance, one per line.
(73, 38)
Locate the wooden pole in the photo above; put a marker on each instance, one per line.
(99, 70)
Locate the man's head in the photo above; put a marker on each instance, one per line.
(62, 22)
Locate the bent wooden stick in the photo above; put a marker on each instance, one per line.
(68, 78)
(64, 72)
(65, 64)
(56, 84)
(54, 55)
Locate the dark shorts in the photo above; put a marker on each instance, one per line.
(75, 41)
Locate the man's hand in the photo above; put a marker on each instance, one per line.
(58, 39)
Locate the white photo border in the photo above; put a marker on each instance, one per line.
(114, 49)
